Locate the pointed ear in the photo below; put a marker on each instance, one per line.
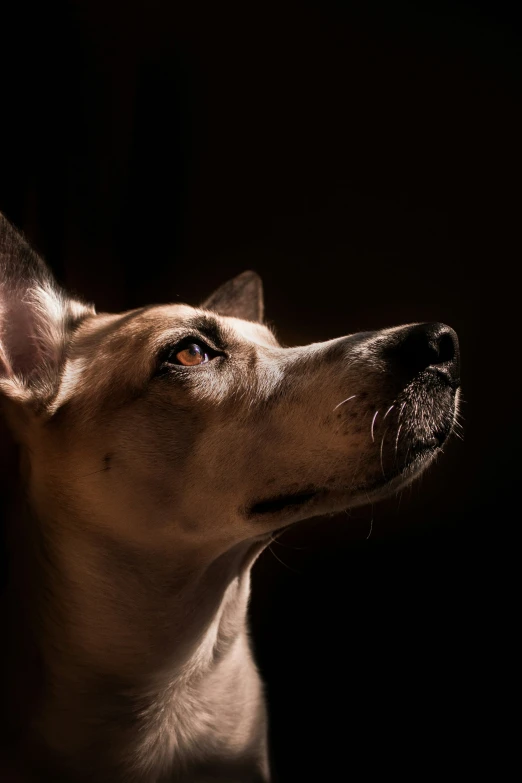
(36, 320)
(241, 297)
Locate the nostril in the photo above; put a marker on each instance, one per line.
(415, 348)
(446, 348)
(427, 354)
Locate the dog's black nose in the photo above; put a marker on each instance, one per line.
(415, 348)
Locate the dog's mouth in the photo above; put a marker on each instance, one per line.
(296, 502)
(280, 503)
(425, 447)
(419, 455)
(413, 445)
(293, 502)
(417, 441)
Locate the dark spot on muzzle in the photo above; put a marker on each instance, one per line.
(280, 502)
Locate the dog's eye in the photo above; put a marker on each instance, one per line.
(190, 356)
(189, 352)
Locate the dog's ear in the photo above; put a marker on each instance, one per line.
(36, 319)
(241, 297)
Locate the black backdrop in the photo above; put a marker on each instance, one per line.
(363, 158)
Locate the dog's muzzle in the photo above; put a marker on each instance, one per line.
(424, 362)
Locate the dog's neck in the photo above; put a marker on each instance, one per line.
(139, 653)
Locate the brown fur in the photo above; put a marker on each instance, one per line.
(149, 495)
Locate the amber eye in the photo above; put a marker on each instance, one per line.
(192, 355)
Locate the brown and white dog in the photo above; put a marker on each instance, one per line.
(160, 450)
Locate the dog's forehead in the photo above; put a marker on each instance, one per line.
(251, 331)
(167, 318)
(159, 322)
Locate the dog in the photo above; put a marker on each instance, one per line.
(160, 451)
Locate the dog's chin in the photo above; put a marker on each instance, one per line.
(420, 447)
(400, 471)
(386, 484)
(284, 509)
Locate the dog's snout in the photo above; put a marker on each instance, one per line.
(417, 348)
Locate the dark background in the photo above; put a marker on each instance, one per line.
(364, 159)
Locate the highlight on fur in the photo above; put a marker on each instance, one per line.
(36, 317)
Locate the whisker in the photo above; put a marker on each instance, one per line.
(101, 470)
(370, 501)
(397, 438)
(400, 494)
(373, 422)
(371, 528)
(382, 444)
(355, 469)
(389, 409)
(282, 563)
(346, 400)
(286, 546)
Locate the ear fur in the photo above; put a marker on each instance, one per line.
(241, 297)
(36, 320)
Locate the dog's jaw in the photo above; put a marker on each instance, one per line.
(418, 453)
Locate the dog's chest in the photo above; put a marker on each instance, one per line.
(217, 724)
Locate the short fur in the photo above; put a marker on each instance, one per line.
(150, 488)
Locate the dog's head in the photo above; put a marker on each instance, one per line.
(174, 426)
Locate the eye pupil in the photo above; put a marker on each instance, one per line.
(192, 355)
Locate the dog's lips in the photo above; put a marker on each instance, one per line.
(419, 455)
(280, 503)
